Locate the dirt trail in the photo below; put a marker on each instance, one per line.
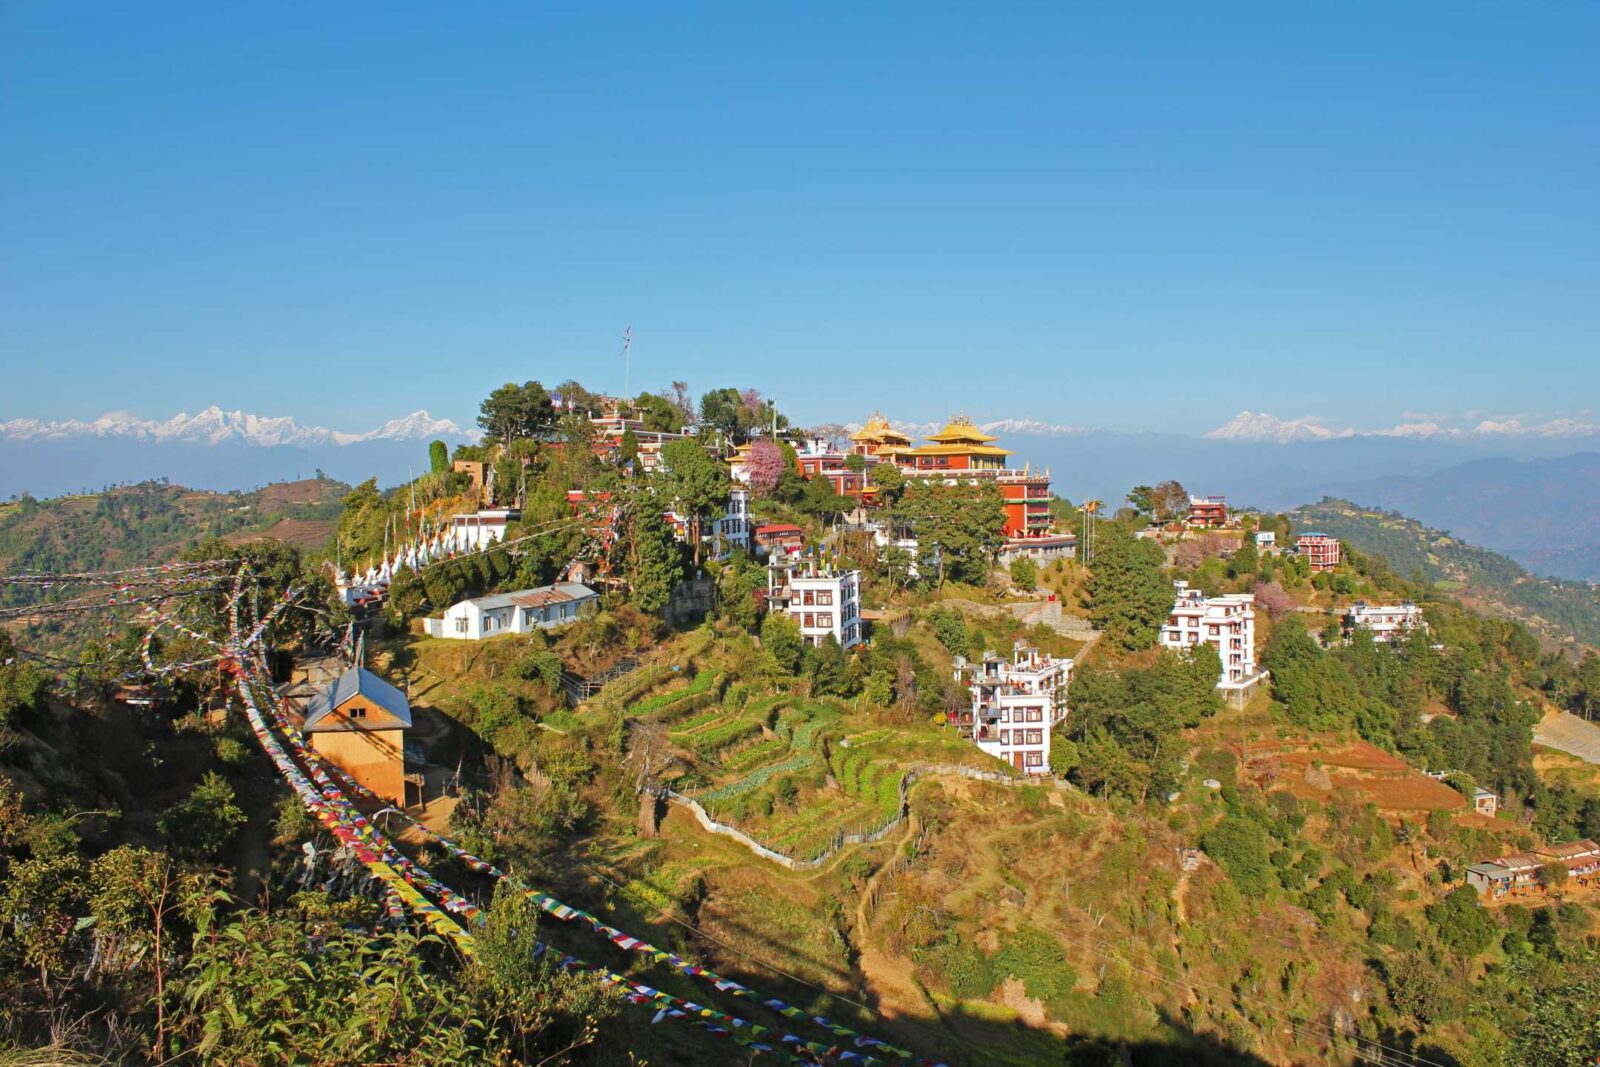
(890, 980)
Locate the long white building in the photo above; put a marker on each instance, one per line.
(822, 601)
(1015, 704)
(521, 612)
(1386, 622)
(1226, 622)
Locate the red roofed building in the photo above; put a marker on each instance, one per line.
(784, 536)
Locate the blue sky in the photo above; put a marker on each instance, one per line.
(1146, 218)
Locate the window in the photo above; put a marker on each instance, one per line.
(810, 598)
(527, 616)
(357, 712)
(808, 620)
(825, 618)
(1035, 715)
(1035, 737)
(1035, 759)
(825, 597)
(1005, 737)
(461, 624)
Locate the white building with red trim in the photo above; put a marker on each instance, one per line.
(822, 601)
(1016, 702)
(1226, 622)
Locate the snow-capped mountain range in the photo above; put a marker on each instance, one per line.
(213, 426)
(1261, 427)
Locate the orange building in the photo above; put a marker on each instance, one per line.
(359, 725)
(962, 452)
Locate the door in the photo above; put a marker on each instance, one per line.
(1016, 760)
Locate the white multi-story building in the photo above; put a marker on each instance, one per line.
(1227, 622)
(822, 601)
(733, 529)
(1387, 622)
(1015, 704)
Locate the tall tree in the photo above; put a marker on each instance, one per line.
(514, 411)
(1169, 501)
(696, 483)
(965, 523)
(439, 457)
(1129, 597)
(766, 465)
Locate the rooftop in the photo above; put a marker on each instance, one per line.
(357, 681)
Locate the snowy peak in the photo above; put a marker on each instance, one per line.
(213, 426)
(1251, 426)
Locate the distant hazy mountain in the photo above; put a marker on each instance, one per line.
(1544, 513)
(213, 449)
(1560, 610)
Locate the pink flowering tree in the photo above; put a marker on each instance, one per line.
(1272, 598)
(766, 466)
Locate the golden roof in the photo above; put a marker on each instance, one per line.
(958, 450)
(878, 429)
(958, 429)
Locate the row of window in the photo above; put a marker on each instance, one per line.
(1022, 737)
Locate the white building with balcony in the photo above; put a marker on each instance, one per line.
(1226, 622)
(1386, 622)
(1015, 704)
(822, 601)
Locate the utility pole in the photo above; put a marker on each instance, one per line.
(627, 362)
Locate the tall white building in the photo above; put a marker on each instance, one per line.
(821, 600)
(1015, 703)
(1387, 622)
(1227, 622)
(733, 529)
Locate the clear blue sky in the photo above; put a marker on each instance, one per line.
(1133, 219)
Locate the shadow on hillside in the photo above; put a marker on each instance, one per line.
(966, 1039)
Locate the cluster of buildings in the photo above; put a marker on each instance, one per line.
(961, 452)
(1015, 703)
(1518, 872)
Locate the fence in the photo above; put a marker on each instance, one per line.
(861, 837)
(578, 688)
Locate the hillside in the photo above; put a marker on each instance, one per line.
(1543, 512)
(153, 521)
(1561, 610)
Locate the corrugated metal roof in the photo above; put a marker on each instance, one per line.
(1571, 850)
(561, 593)
(353, 682)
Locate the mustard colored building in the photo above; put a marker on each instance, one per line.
(962, 452)
(359, 725)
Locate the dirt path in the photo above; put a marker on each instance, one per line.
(890, 981)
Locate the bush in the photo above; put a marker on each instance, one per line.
(1024, 574)
(1240, 846)
(202, 824)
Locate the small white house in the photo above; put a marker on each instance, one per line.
(545, 608)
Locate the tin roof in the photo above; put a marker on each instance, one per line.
(357, 681)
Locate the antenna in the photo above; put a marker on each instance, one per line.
(627, 366)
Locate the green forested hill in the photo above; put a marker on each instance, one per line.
(152, 522)
(1562, 609)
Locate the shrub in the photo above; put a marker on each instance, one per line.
(1240, 847)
